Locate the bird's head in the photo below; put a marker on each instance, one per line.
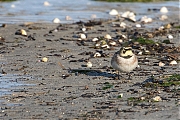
(126, 52)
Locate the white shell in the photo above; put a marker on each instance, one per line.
(93, 16)
(23, 32)
(107, 36)
(173, 62)
(138, 25)
(157, 98)
(68, 18)
(105, 46)
(13, 6)
(56, 20)
(97, 54)
(44, 59)
(140, 53)
(120, 40)
(95, 39)
(145, 19)
(84, 29)
(112, 43)
(170, 37)
(82, 36)
(89, 64)
(46, 3)
(161, 64)
(164, 10)
(163, 17)
(122, 24)
(113, 12)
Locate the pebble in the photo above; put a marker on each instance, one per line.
(97, 54)
(163, 17)
(68, 18)
(83, 36)
(123, 25)
(113, 12)
(138, 25)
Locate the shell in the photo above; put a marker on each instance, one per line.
(112, 43)
(138, 25)
(68, 18)
(163, 17)
(113, 12)
(157, 98)
(161, 64)
(173, 62)
(95, 39)
(89, 64)
(44, 59)
(97, 54)
(56, 20)
(46, 3)
(23, 32)
(164, 10)
(170, 37)
(107, 36)
(82, 36)
(123, 25)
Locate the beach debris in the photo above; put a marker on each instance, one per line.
(173, 62)
(89, 64)
(44, 59)
(163, 17)
(46, 3)
(21, 32)
(161, 64)
(113, 12)
(56, 20)
(164, 10)
(146, 19)
(107, 36)
(157, 99)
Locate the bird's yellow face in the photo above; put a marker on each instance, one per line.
(126, 52)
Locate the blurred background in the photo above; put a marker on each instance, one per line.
(20, 11)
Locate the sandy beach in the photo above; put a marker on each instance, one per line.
(63, 87)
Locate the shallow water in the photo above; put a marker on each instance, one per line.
(34, 11)
(10, 82)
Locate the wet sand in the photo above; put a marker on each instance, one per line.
(64, 88)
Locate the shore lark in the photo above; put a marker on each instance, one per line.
(124, 60)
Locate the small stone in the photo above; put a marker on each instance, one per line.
(82, 36)
(163, 17)
(112, 43)
(97, 54)
(170, 37)
(138, 25)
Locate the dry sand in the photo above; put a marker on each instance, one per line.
(56, 91)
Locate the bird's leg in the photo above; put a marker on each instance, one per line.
(118, 75)
(129, 76)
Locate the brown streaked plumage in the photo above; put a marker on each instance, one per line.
(124, 60)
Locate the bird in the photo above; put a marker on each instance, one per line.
(124, 60)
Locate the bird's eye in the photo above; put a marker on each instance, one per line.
(124, 51)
